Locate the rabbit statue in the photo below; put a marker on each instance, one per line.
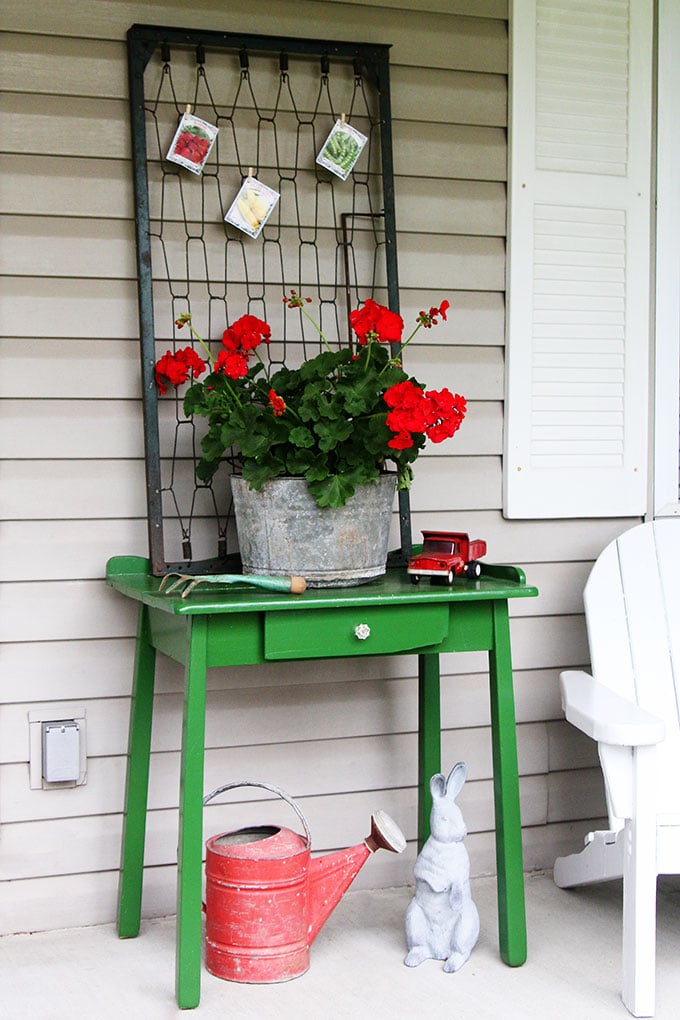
(442, 922)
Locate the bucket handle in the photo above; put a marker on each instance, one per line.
(263, 786)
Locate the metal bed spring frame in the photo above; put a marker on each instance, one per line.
(143, 42)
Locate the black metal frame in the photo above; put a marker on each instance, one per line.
(142, 42)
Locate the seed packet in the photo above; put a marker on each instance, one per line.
(192, 143)
(252, 207)
(341, 149)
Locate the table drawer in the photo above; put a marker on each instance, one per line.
(372, 630)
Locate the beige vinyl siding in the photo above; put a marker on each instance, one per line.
(72, 489)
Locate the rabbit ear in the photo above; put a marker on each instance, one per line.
(438, 785)
(457, 777)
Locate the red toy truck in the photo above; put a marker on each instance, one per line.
(445, 554)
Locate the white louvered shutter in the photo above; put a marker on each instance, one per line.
(578, 258)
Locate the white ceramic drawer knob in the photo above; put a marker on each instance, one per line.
(362, 631)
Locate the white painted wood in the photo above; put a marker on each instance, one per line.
(605, 716)
(667, 305)
(578, 280)
(630, 707)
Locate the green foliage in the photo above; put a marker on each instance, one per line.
(334, 421)
(332, 430)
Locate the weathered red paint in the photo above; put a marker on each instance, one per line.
(266, 901)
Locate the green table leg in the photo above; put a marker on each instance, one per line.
(511, 910)
(429, 738)
(137, 782)
(190, 843)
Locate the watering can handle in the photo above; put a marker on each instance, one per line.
(264, 786)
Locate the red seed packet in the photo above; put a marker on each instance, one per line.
(192, 143)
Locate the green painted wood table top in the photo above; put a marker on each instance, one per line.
(242, 625)
(130, 575)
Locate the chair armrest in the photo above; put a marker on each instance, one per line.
(606, 716)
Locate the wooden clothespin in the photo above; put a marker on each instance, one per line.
(342, 118)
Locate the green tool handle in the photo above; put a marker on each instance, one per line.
(293, 584)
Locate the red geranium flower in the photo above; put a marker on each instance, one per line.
(176, 368)
(246, 334)
(277, 403)
(234, 364)
(376, 322)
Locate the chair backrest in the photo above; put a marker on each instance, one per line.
(632, 602)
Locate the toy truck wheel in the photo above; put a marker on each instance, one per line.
(415, 578)
(473, 570)
(449, 577)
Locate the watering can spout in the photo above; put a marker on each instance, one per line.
(331, 876)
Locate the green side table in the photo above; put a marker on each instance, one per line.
(239, 626)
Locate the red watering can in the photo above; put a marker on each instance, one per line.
(267, 900)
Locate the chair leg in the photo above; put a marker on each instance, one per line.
(639, 891)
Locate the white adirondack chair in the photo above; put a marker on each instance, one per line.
(631, 705)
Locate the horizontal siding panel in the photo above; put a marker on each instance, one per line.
(476, 372)
(103, 669)
(569, 748)
(93, 844)
(418, 37)
(59, 610)
(104, 248)
(32, 905)
(453, 150)
(106, 309)
(100, 188)
(64, 186)
(67, 550)
(51, 65)
(465, 262)
(426, 94)
(363, 705)
(70, 126)
(456, 483)
(355, 764)
(48, 186)
(560, 588)
(540, 542)
(34, 246)
(41, 489)
(573, 794)
(116, 488)
(71, 428)
(372, 707)
(426, 205)
(95, 370)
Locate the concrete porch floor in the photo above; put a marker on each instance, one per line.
(573, 970)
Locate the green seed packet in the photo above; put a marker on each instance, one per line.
(341, 149)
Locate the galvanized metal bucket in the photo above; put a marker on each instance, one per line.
(282, 531)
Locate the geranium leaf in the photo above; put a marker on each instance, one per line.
(334, 490)
(301, 436)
